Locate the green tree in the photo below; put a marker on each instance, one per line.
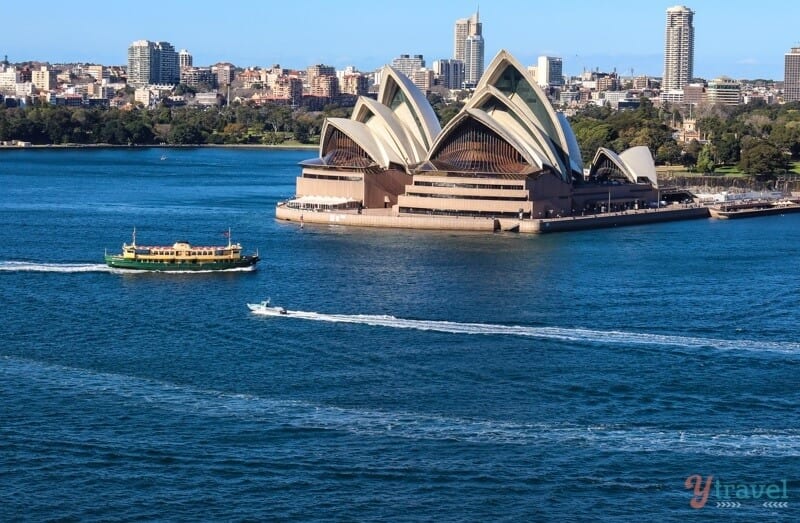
(184, 133)
(591, 135)
(139, 132)
(113, 132)
(705, 159)
(668, 153)
(691, 151)
(301, 133)
(762, 157)
(787, 137)
(727, 148)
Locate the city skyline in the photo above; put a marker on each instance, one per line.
(629, 36)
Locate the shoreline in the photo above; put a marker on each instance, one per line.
(159, 146)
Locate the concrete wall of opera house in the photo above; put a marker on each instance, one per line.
(463, 223)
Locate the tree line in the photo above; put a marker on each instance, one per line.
(241, 124)
(755, 138)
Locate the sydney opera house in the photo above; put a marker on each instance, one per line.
(507, 158)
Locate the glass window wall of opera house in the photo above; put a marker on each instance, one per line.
(507, 153)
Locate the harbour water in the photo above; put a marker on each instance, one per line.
(428, 375)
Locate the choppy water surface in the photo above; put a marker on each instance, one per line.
(419, 375)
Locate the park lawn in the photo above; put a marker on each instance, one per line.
(728, 170)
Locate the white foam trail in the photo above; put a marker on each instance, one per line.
(275, 414)
(19, 266)
(551, 333)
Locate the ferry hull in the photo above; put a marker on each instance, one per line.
(118, 262)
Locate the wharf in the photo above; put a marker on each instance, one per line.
(669, 213)
(752, 210)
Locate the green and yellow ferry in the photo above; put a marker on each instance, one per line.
(181, 257)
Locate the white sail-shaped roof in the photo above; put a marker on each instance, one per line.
(409, 104)
(503, 126)
(510, 130)
(509, 76)
(399, 128)
(634, 163)
(510, 104)
(530, 129)
(574, 150)
(375, 145)
(382, 120)
(639, 161)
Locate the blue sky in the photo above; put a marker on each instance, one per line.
(741, 39)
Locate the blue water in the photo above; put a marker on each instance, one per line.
(429, 375)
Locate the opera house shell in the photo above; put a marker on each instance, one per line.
(506, 154)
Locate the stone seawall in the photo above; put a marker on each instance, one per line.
(535, 226)
(398, 222)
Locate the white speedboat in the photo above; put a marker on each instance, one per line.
(267, 309)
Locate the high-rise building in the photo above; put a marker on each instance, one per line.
(325, 86)
(318, 70)
(678, 48)
(549, 71)
(140, 58)
(460, 38)
(169, 72)
(463, 28)
(354, 83)
(198, 77)
(184, 58)
(152, 63)
(791, 76)
(98, 72)
(449, 73)
(407, 64)
(289, 88)
(423, 79)
(473, 64)
(9, 78)
(724, 91)
(224, 72)
(468, 47)
(44, 79)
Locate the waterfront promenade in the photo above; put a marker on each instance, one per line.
(386, 218)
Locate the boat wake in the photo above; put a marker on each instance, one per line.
(286, 414)
(20, 266)
(549, 333)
